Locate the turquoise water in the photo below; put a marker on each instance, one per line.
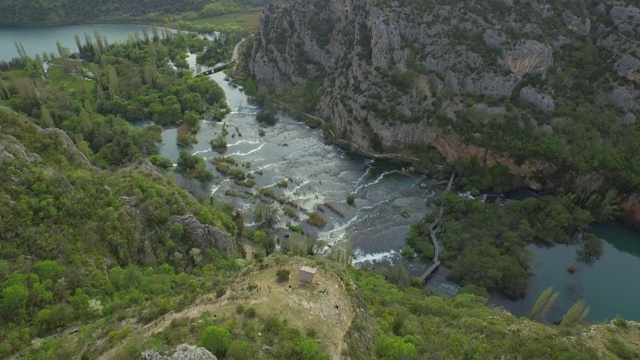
(608, 285)
(39, 39)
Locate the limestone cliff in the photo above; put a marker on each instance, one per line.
(390, 76)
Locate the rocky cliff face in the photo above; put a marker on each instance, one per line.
(393, 67)
(404, 69)
(205, 236)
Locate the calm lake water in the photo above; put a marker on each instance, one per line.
(319, 173)
(39, 39)
(608, 285)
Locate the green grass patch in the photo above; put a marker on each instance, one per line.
(296, 229)
(246, 19)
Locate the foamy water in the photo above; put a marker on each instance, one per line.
(317, 173)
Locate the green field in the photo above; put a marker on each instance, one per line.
(247, 19)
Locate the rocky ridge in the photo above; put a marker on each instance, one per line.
(205, 236)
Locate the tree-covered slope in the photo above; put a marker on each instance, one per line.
(80, 243)
(91, 231)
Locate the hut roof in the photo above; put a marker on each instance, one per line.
(309, 269)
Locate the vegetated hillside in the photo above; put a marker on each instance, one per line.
(548, 90)
(23, 12)
(266, 313)
(18, 12)
(81, 244)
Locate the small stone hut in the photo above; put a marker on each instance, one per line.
(306, 273)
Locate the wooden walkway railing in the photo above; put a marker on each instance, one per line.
(432, 232)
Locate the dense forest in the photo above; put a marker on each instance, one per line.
(85, 217)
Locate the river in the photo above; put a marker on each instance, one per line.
(387, 201)
(320, 172)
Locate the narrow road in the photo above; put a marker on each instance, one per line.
(234, 57)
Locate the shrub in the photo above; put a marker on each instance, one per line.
(219, 143)
(306, 349)
(296, 229)
(216, 340)
(283, 275)
(241, 350)
(290, 212)
(312, 333)
(250, 313)
(351, 198)
(266, 116)
(408, 252)
(220, 291)
(317, 220)
(160, 162)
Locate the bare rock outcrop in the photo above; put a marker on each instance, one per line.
(629, 67)
(626, 19)
(622, 98)
(631, 211)
(205, 236)
(10, 148)
(490, 84)
(628, 119)
(529, 57)
(543, 102)
(580, 26)
(385, 39)
(73, 154)
(181, 352)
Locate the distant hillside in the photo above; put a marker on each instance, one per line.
(20, 12)
(26, 12)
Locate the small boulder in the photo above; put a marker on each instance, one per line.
(181, 352)
(628, 119)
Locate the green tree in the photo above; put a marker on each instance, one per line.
(48, 269)
(216, 340)
(300, 349)
(396, 348)
(14, 302)
(266, 214)
(542, 299)
(576, 313)
(241, 350)
(267, 116)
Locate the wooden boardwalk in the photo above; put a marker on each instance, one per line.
(436, 243)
